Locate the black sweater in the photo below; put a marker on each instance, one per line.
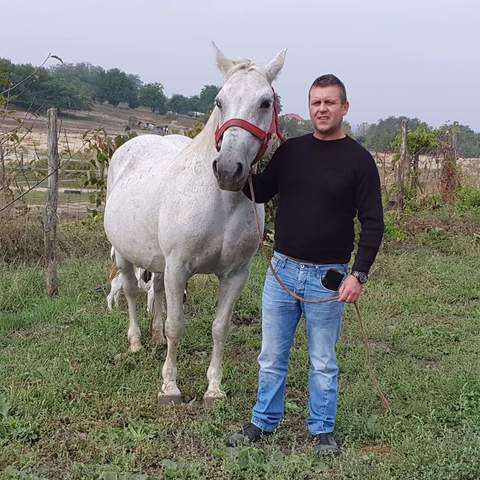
(322, 186)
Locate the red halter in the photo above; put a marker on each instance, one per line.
(262, 135)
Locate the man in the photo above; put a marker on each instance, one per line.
(323, 180)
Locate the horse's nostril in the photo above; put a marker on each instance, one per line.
(239, 170)
(215, 167)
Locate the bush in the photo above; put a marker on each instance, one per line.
(468, 197)
(22, 241)
(393, 229)
(21, 238)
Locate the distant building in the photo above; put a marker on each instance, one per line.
(293, 116)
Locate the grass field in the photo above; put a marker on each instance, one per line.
(74, 405)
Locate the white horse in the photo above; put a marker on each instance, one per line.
(175, 207)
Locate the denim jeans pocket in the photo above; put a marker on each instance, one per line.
(277, 263)
(331, 279)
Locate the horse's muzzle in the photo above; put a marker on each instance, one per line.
(229, 175)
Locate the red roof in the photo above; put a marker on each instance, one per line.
(293, 116)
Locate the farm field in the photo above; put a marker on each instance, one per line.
(74, 405)
(74, 124)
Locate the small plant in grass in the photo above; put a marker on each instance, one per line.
(393, 229)
(468, 198)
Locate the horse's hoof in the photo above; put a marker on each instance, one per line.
(169, 399)
(135, 347)
(210, 400)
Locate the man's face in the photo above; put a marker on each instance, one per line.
(327, 111)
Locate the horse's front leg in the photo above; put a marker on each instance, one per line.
(175, 279)
(229, 290)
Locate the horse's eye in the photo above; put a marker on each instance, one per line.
(265, 104)
(218, 103)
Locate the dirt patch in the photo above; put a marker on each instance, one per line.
(73, 124)
(239, 320)
(376, 449)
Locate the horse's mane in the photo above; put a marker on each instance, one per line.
(243, 64)
(203, 144)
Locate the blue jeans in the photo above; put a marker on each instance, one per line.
(280, 316)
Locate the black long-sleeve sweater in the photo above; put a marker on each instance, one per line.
(322, 186)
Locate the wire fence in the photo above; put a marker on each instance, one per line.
(24, 175)
(24, 172)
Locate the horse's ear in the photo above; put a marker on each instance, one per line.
(223, 63)
(273, 67)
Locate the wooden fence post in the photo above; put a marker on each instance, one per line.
(403, 165)
(52, 202)
(449, 176)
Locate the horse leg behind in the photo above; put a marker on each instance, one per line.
(175, 277)
(115, 289)
(228, 293)
(156, 298)
(131, 290)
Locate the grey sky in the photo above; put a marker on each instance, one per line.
(415, 58)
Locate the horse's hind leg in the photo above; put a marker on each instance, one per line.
(228, 293)
(156, 308)
(130, 289)
(175, 280)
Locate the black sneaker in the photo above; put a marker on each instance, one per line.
(248, 434)
(325, 444)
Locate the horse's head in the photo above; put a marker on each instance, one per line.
(245, 109)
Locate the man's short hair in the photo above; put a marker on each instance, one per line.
(330, 80)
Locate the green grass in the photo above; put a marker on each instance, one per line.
(74, 406)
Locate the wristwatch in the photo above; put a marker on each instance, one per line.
(362, 277)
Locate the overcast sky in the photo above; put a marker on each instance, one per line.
(419, 58)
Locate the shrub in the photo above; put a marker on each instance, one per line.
(468, 197)
(22, 241)
(393, 229)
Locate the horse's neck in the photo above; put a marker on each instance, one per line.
(201, 152)
(199, 156)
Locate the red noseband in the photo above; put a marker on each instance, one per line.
(262, 135)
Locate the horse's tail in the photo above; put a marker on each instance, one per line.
(114, 270)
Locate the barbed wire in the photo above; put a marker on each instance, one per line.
(8, 90)
(29, 190)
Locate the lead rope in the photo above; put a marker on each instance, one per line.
(334, 298)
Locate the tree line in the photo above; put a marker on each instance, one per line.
(69, 86)
(384, 136)
(78, 86)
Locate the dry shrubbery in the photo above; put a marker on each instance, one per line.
(21, 239)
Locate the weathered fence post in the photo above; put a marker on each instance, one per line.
(449, 178)
(50, 225)
(403, 165)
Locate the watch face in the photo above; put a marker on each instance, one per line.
(361, 277)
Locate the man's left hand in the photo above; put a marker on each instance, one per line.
(350, 290)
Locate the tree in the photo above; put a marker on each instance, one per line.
(207, 98)
(381, 136)
(292, 127)
(467, 141)
(84, 75)
(42, 90)
(179, 103)
(421, 141)
(116, 86)
(151, 95)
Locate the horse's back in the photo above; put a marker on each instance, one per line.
(140, 152)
